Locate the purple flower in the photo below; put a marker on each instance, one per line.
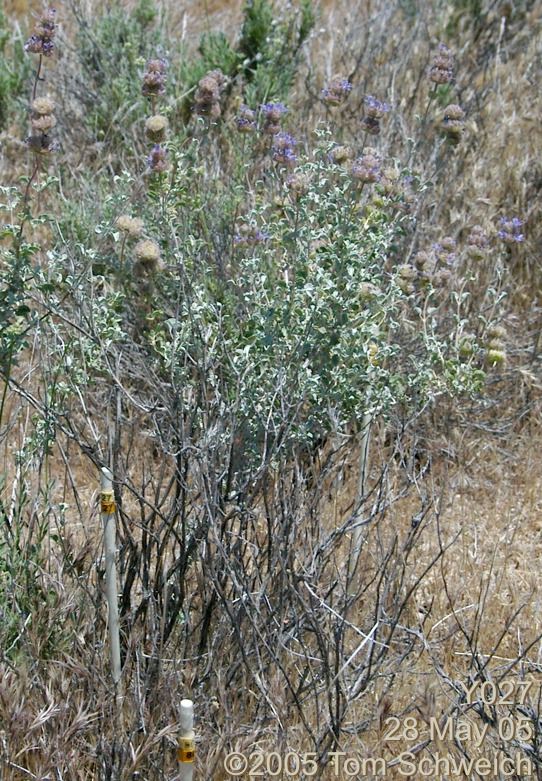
(273, 111)
(375, 109)
(366, 169)
(157, 160)
(284, 155)
(283, 139)
(445, 251)
(246, 121)
(509, 232)
(282, 149)
(249, 235)
(41, 42)
(337, 91)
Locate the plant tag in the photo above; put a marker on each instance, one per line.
(187, 750)
(107, 503)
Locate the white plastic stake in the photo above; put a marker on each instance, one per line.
(187, 745)
(107, 509)
(362, 479)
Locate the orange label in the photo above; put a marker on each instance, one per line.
(107, 503)
(187, 750)
(186, 755)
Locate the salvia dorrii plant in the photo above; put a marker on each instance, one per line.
(244, 302)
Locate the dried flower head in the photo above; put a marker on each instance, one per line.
(273, 112)
(156, 128)
(206, 99)
(282, 149)
(220, 78)
(154, 79)
(341, 154)
(147, 250)
(510, 230)
(497, 332)
(445, 251)
(246, 121)
(467, 345)
(43, 106)
(366, 169)
(131, 226)
(248, 235)
(338, 89)
(43, 123)
(423, 261)
(442, 68)
(42, 145)
(496, 358)
(407, 271)
(477, 243)
(452, 122)
(442, 277)
(157, 160)
(299, 184)
(368, 291)
(406, 275)
(41, 42)
(207, 90)
(406, 285)
(147, 259)
(208, 110)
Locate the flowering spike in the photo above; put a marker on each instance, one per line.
(337, 91)
(442, 69)
(41, 42)
(509, 232)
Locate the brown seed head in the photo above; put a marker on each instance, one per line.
(340, 154)
(43, 123)
(147, 251)
(156, 128)
(299, 184)
(43, 106)
(132, 226)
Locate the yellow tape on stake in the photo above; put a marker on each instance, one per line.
(107, 503)
(187, 750)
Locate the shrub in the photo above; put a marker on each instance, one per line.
(244, 282)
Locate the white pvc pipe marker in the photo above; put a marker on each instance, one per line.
(107, 509)
(362, 480)
(187, 746)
